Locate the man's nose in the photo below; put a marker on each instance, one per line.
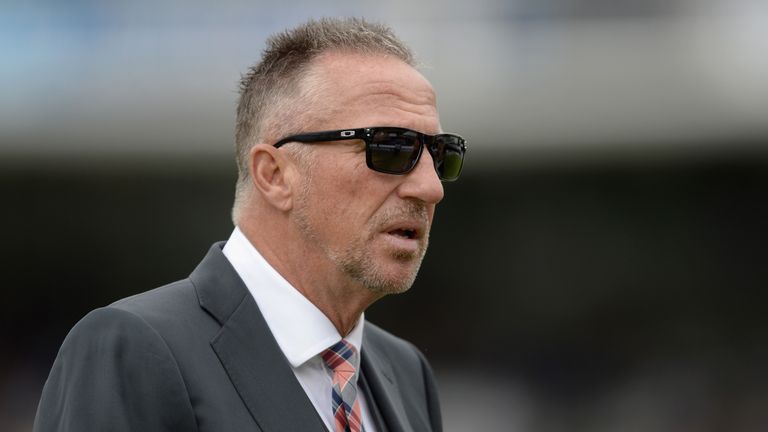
(422, 182)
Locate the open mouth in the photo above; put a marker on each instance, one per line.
(404, 233)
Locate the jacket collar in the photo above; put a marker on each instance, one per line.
(248, 351)
(377, 368)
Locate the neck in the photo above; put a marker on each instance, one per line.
(313, 275)
(343, 307)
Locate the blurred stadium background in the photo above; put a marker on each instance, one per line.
(600, 267)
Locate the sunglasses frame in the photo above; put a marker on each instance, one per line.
(367, 134)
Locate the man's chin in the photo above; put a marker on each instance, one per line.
(389, 286)
(406, 257)
(383, 267)
(395, 274)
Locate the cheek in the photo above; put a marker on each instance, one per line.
(350, 204)
(332, 204)
(347, 194)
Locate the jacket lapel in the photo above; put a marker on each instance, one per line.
(379, 379)
(248, 351)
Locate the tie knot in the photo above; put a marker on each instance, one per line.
(341, 357)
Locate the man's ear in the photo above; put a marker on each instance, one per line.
(271, 175)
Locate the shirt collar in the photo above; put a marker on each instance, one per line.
(301, 330)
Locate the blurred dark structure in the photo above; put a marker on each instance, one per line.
(568, 281)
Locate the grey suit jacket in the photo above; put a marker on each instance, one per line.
(197, 355)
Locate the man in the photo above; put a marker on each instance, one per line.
(340, 159)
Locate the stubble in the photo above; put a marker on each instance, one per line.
(356, 260)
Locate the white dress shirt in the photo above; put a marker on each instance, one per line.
(301, 330)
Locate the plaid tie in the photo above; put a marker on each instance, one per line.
(346, 408)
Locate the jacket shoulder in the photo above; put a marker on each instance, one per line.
(100, 379)
(167, 298)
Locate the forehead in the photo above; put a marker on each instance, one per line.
(357, 90)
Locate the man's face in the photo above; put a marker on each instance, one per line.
(371, 227)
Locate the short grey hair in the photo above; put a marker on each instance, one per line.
(274, 90)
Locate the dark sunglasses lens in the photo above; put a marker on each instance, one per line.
(448, 154)
(393, 151)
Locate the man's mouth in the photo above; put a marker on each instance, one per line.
(405, 233)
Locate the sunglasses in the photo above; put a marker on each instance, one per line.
(394, 150)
